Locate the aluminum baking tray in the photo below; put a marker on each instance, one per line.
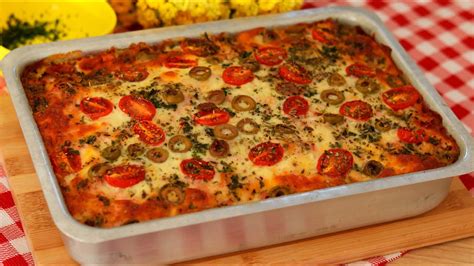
(251, 225)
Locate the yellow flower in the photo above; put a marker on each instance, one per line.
(285, 6)
(266, 6)
(167, 13)
(244, 8)
(154, 4)
(152, 13)
(147, 18)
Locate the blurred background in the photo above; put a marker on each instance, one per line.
(32, 21)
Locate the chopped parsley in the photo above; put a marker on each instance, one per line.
(154, 97)
(186, 125)
(226, 168)
(198, 148)
(330, 52)
(40, 104)
(18, 32)
(88, 140)
(368, 132)
(235, 183)
(104, 200)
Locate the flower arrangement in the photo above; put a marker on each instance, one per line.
(155, 13)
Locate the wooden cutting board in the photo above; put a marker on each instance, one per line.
(452, 219)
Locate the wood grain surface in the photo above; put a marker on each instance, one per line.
(453, 219)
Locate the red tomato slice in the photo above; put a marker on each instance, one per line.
(412, 136)
(360, 70)
(197, 169)
(357, 110)
(401, 98)
(73, 158)
(124, 176)
(266, 154)
(96, 107)
(335, 163)
(296, 106)
(179, 62)
(270, 56)
(149, 132)
(137, 108)
(236, 75)
(132, 74)
(294, 73)
(212, 117)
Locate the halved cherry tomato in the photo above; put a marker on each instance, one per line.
(73, 158)
(179, 62)
(270, 56)
(137, 108)
(322, 36)
(132, 73)
(295, 105)
(401, 98)
(149, 132)
(124, 176)
(96, 107)
(211, 117)
(237, 75)
(358, 110)
(412, 136)
(360, 70)
(294, 73)
(266, 154)
(197, 169)
(335, 163)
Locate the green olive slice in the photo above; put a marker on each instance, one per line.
(157, 155)
(200, 73)
(111, 153)
(173, 96)
(216, 96)
(242, 103)
(248, 126)
(135, 150)
(383, 125)
(279, 191)
(225, 131)
(336, 80)
(333, 119)
(332, 96)
(367, 85)
(219, 148)
(373, 168)
(172, 194)
(98, 170)
(180, 144)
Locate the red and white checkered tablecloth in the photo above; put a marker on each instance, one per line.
(438, 35)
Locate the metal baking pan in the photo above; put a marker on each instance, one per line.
(234, 228)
